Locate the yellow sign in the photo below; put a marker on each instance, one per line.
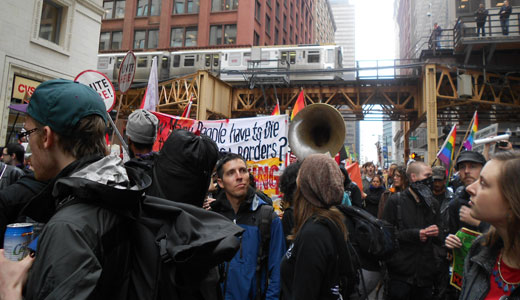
(23, 87)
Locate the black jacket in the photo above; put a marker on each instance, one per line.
(455, 224)
(84, 249)
(13, 198)
(372, 200)
(310, 267)
(414, 261)
(9, 175)
(505, 12)
(481, 16)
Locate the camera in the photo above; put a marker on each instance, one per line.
(502, 144)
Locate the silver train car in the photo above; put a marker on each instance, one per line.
(230, 63)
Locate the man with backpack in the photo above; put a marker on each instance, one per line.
(415, 213)
(254, 272)
(83, 250)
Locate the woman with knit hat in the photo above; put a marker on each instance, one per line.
(318, 262)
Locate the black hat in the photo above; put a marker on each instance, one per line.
(470, 156)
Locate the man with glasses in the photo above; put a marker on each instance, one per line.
(84, 248)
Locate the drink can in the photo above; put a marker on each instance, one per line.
(17, 237)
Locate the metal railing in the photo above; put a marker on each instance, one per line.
(441, 39)
(386, 68)
(466, 28)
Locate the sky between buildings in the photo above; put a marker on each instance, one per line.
(375, 40)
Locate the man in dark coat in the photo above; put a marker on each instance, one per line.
(504, 12)
(84, 248)
(415, 213)
(480, 17)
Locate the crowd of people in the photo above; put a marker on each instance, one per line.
(75, 193)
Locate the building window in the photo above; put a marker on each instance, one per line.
(257, 10)
(185, 7)
(111, 12)
(277, 12)
(268, 2)
(256, 39)
(285, 3)
(275, 36)
(222, 34)
(291, 12)
(146, 39)
(285, 23)
(110, 40)
(219, 5)
(50, 22)
(498, 3)
(267, 25)
(184, 37)
(290, 34)
(148, 8)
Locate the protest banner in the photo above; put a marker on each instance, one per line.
(101, 84)
(466, 237)
(262, 141)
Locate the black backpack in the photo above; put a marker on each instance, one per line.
(371, 237)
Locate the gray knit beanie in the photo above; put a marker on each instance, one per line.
(142, 127)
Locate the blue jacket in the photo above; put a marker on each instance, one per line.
(241, 272)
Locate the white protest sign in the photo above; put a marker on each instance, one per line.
(126, 72)
(489, 131)
(101, 84)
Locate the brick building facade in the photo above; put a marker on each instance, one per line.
(162, 24)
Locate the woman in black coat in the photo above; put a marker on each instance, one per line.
(374, 195)
(311, 267)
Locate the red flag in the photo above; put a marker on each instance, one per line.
(299, 105)
(187, 109)
(355, 174)
(276, 110)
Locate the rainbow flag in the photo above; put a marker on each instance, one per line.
(299, 105)
(276, 110)
(446, 153)
(468, 144)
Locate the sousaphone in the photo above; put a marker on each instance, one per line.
(318, 128)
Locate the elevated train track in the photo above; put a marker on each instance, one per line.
(418, 93)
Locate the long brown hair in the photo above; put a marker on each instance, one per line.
(510, 189)
(303, 210)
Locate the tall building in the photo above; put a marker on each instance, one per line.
(387, 142)
(415, 19)
(345, 36)
(161, 24)
(42, 40)
(325, 26)
(345, 19)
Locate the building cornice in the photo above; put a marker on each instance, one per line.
(93, 6)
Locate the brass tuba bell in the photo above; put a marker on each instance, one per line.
(318, 128)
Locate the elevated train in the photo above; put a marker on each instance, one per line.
(229, 63)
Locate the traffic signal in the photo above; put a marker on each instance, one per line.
(413, 155)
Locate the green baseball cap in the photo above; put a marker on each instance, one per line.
(61, 104)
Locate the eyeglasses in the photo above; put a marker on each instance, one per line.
(27, 133)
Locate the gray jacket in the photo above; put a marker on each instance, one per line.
(478, 267)
(9, 175)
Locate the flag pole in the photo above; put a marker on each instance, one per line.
(117, 117)
(463, 140)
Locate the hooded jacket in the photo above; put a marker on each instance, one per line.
(9, 175)
(241, 274)
(84, 249)
(414, 261)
